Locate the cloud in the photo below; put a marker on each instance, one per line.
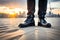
(10, 1)
(55, 0)
(14, 3)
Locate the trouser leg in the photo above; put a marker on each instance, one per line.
(42, 8)
(30, 7)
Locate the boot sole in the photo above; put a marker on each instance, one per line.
(23, 26)
(48, 25)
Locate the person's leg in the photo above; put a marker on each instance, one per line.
(42, 13)
(30, 7)
(30, 15)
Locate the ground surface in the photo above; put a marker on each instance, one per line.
(9, 30)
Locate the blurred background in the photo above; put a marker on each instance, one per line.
(18, 8)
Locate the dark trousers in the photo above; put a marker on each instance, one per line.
(42, 6)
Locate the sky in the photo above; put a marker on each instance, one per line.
(54, 3)
(20, 3)
(23, 4)
(54, 0)
(13, 3)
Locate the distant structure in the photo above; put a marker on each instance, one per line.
(50, 14)
(16, 15)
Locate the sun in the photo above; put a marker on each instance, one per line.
(15, 12)
(12, 12)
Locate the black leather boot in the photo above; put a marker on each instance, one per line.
(28, 22)
(43, 23)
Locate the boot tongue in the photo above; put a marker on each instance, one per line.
(30, 19)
